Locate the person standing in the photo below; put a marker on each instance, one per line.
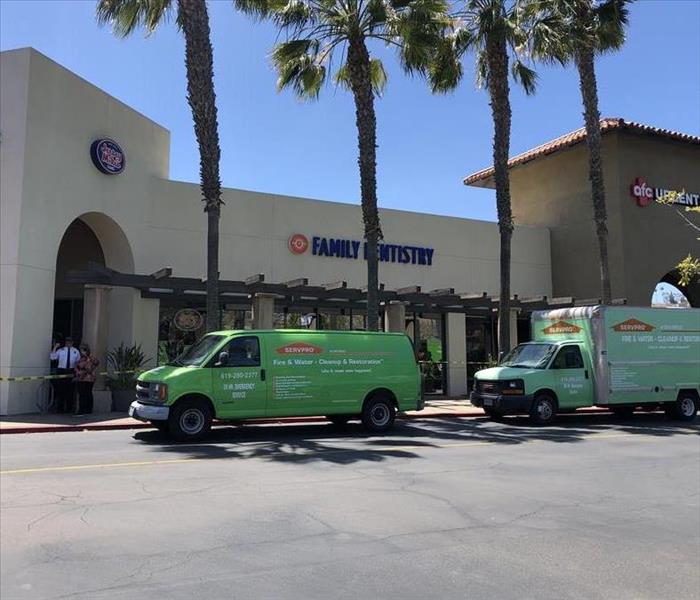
(85, 374)
(67, 357)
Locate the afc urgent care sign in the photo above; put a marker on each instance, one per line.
(644, 194)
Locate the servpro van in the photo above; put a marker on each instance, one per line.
(234, 375)
(617, 357)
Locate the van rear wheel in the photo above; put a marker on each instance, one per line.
(378, 413)
(686, 407)
(190, 420)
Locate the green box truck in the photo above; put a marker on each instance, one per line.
(236, 375)
(615, 357)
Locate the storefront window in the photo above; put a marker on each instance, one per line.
(481, 345)
(429, 351)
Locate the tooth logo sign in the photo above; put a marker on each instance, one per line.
(633, 325)
(561, 327)
(299, 348)
(298, 243)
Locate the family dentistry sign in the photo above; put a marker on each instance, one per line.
(355, 249)
(644, 194)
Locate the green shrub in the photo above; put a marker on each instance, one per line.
(124, 363)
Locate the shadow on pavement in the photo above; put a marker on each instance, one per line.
(323, 442)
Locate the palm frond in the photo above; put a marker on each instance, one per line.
(125, 16)
(297, 66)
(524, 75)
(611, 17)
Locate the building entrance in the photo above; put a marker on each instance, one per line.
(78, 249)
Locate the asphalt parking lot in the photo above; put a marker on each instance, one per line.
(442, 508)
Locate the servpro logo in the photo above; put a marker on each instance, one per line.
(561, 327)
(299, 348)
(298, 243)
(633, 325)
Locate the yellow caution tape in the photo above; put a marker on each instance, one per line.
(64, 376)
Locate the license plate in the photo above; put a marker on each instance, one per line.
(488, 401)
(131, 411)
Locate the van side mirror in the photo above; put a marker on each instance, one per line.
(223, 359)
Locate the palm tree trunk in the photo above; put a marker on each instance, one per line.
(589, 93)
(199, 60)
(361, 85)
(499, 90)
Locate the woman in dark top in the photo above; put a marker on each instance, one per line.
(85, 374)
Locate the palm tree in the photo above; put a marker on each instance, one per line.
(578, 30)
(491, 29)
(319, 31)
(192, 18)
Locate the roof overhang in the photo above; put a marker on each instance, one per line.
(484, 178)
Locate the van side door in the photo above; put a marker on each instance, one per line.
(239, 386)
(572, 377)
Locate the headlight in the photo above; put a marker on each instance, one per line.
(513, 387)
(159, 392)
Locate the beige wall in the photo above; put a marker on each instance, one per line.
(554, 192)
(144, 221)
(655, 237)
(643, 244)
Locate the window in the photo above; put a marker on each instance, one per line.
(242, 352)
(569, 357)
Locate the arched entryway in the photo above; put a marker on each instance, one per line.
(670, 292)
(79, 247)
(92, 238)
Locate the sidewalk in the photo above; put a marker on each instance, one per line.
(34, 423)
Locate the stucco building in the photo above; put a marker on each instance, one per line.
(85, 184)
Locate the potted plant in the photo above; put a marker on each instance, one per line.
(123, 365)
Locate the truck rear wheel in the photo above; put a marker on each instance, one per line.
(190, 420)
(686, 407)
(544, 410)
(378, 413)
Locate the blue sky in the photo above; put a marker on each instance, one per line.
(273, 142)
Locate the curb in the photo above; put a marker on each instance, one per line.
(279, 421)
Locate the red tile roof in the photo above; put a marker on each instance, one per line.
(571, 139)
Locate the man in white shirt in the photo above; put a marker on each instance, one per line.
(67, 357)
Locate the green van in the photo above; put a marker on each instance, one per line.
(621, 358)
(236, 375)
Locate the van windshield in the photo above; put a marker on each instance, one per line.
(529, 356)
(197, 353)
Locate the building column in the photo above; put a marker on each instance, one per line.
(395, 317)
(513, 331)
(456, 351)
(263, 311)
(96, 321)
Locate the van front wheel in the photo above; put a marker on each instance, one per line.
(378, 414)
(190, 420)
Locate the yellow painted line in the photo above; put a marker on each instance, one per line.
(145, 463)
(140, 463)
